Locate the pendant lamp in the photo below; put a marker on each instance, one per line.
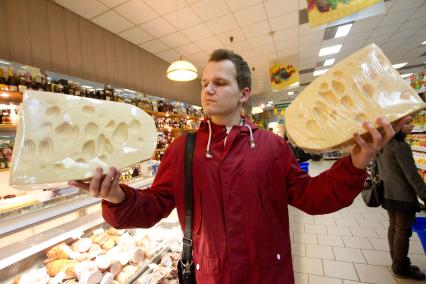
(182, 70)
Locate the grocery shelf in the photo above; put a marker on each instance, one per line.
(172, 115)
(418, 149)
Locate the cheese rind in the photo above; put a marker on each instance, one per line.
(362, 87)
(61, 137)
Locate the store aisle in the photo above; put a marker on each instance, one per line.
(346, 247)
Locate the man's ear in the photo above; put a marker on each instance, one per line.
(245, 94)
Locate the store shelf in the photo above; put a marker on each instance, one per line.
(4, 127)
(421, 167)
(173, 115)
(15, 97)
(418, 149)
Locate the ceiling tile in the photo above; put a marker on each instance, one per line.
(169, 55)
(208, 10)
(250, 15)
(84, 8)
(378, 40)
(402, 34)
(136, 35)
(420, 12)
(286, 34)
(109, 3)
(164, 7)
(401, 5)
(303, 4)
(279, 7)
(136, 11)
(175, 39)
(200, 56)
(197, 32)
(385, 30)
(238, 46)
(305, 29)
(246, 54)
(312, 38)
(241, 4)
(158, 27)
(353, 37)
(223, 24)
(396, 18)
(260, 40)
(208, 43)
(366, 24)
(285, 21)
(413, 25)
(270, 48)
(113, 22)
(237, 35)
(154, 46)
(188, 49)
(289, 44)
(257, 29)
(186, 18)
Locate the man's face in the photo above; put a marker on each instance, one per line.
(220, 94)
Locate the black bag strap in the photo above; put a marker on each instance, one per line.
(187, 261)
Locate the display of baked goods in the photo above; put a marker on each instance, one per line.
(166, 272)
(362, 87)
(61, 138)
(106, 257)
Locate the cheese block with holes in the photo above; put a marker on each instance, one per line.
(62, 137)
(362, 87)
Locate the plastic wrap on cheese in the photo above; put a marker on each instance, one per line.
(61, 137)
(362, 87)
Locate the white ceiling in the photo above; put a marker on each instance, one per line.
(194, 28)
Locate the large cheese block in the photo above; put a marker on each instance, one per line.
(61, 137)
(360, 88)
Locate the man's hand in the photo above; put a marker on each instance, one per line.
(105, 187)
(363, 152)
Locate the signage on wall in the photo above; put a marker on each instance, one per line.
(282, 76)
(321, 12)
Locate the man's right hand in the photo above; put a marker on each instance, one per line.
(105, 187)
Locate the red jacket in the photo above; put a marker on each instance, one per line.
(240, 227)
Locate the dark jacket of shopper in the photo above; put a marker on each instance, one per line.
(402, 183)
(241, 194)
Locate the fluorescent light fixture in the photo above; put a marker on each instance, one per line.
(343, 30)
(424, 42)
(262, 106)
(296, 84)
(319, 72)
(255, 110)
(4, 62)
(329, 62)
(87, 87)
(399, 65)
(23, 67)
(290, 93)
(406, 75)
(330, 50)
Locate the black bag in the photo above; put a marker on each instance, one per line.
(373, 186)
(186, 271)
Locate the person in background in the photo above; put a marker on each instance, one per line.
(402, 185)
(244, 178)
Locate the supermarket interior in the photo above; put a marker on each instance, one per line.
(118, 57)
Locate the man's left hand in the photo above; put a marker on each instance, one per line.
(363, 152)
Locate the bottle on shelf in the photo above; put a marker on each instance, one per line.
(109, 93)
(3, 82)
(11, 81)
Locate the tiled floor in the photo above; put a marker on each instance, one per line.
(346, 247)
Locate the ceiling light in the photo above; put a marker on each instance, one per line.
(406, 75)
(290, 93)
(270, 102)
(343, 30)
(182, 70)
(255, 110)
(319, 72)
(296, 84)
(4, 62)
(329, 62)
(399, 65)
(424, 42)
(330, 50)
(262, 106)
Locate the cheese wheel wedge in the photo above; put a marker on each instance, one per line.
(362, 87)
(61, 137)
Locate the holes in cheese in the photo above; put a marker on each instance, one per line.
(360, 88)
(120, 134)
(63, 138)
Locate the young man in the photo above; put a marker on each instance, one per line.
(244, 179)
